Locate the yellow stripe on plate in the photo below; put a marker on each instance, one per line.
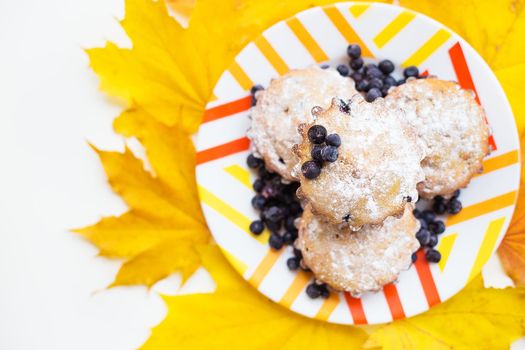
(328, 307)
(237, 263)
(230, 214)
(482, 208)
(307, 40)
(240, 76)
(264, 267)
(240, 174)
(487, 246)
(271, 55)
(445, 247)
(393, 28)
(501, 161)
(300, 281)
(428, 48)
(358, 10)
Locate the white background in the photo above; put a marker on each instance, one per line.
(51, 282)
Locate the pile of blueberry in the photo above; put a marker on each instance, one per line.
(373, 80)
(431, 227)
(324, 150)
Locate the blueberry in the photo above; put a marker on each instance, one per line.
(343, 70)
(333, 140)
(423, 236)
(401, 82)
(289, 237)
(310, 169)
(356, 76)
(253, 162)
(423, 223)
(439, 199)
(273, 226)
(433, 241)
(298, 253)
(417, 213)
(428, 216)
(374, 73)
(456, 194)
(273, 214)
(433, 255)
(386, 66)
(411, 71)
(258, 185)
(454, 206)
(330, 154)
(370, 66)
(376, 83)
(313, 291)
(317, 134)
(325, 293)
(356, 63)
(258, 202)
(275, 241)
(354, 51)
(256, 227)
(414, 257)
(325, 66)
(437, 227)
(372, 94)
(295, 208)
(316, 152)
(384, 90)
(256, 88)
(362, 85)
(289, 224)
(265, 174)
(270, 191)
(292, 263)
(389, 80)
(439, 207)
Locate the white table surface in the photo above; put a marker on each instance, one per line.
(52, 284)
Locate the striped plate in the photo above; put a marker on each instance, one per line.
(321, 35)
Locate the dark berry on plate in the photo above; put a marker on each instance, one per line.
(256, 227)
(370, 66)
(417, 213)
(317, 134)
(310, 169)
(333, 140)
(289, 223)
(423, 223)
(292, 263)
(433, 241)
(258, 185)
(275, 241)
(295, 208)
(289, 237)
(316, 152)
(253, 162)
(362, 85)
(270, 191)
(437, 227)
(356, 63)
(428, 216)
(384, 90)
(372, 94)
(258, 202)
(325, 66)
(343, 70)
(401, 82)
(411, 71)
(439, 199)
(313, 291)
(256, 88)
(423, 236)
(253, 101)
(325, 293)
(354, 51)
(330, 154)
(374, 73)
(389, 80)
(298, 253)
(433, 255)
(414, 257)
(454, 206)
(386, 66)
(273, 226)
(439, 207)
(357, 76)
(273, 214)
(375, 83)
(264, 173)
(456, 194)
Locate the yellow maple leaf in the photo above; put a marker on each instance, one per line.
(512, 249)
(158, 235)
(496, 30)
(236, 316)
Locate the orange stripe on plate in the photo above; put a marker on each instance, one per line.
(359, 9)
(227, 109)
(240, 76)
(427, 281)
(356, 309)
(394, 303)
(393, 28)
(328, 307)
(501, 161)
(271, 55)
(428, 48)
(340, 22)
(482, 208)
(223, 150)
(459, 63)
(264, 267)
(300, 281)
(306, 39)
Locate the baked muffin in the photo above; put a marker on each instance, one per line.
(358, 261)
(377, 167)
(453, 128)
(286, 103)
